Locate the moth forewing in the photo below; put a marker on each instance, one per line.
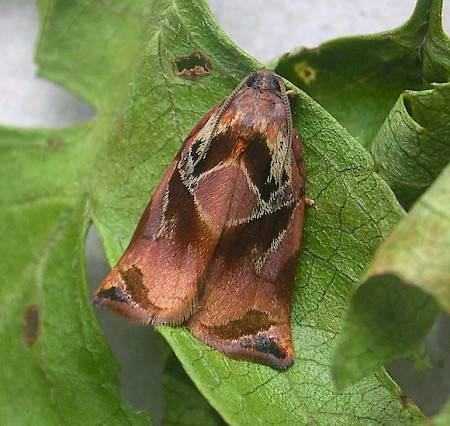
(218, 243)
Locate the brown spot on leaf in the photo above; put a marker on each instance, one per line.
(192, 66)
(31, 324)
(54, 143)
(305, 72)
(405, 400)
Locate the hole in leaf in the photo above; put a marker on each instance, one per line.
(191, 66)
(31, 329)
(54, 143)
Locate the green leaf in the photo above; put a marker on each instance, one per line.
(92, 48)
(394, 308)
(184, 404)
(119, 56)
(56, 366)
(396, 304)
(412, 147)
(358, 79)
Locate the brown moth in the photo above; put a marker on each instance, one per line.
(218, 244)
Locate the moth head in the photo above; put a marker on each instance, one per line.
(266, 80)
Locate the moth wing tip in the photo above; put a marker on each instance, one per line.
(266, 347)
